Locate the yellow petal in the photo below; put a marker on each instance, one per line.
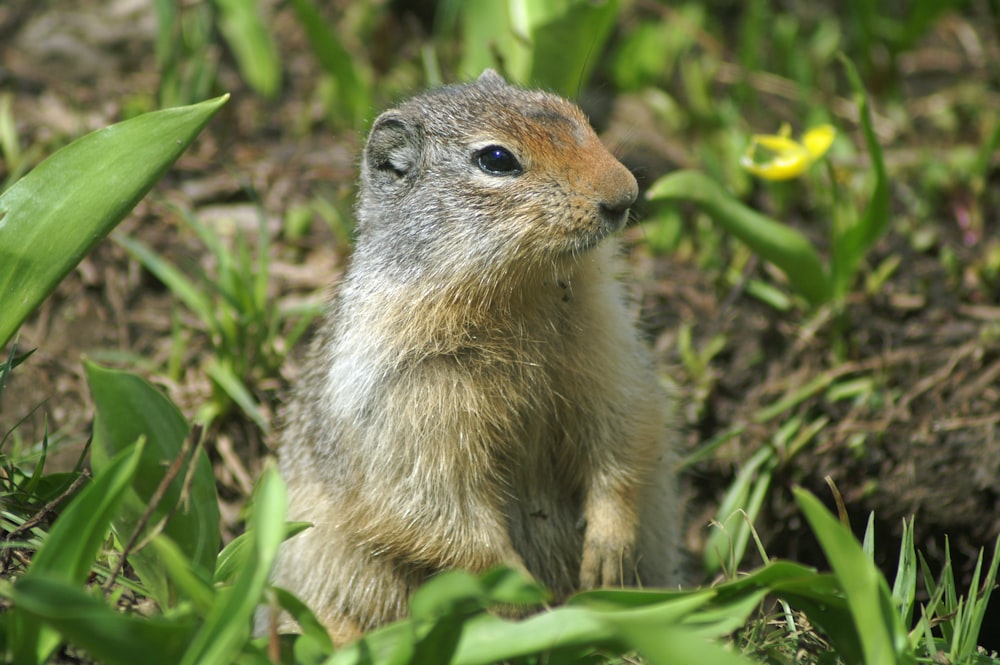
(783, 158)
(776, 143)
(782, 167)
(786, 158)
(818, 140)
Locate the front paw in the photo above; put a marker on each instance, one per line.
(606, 563)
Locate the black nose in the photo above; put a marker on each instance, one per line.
(620, 204)
(614, 209)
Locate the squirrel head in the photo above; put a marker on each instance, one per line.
(487, 179)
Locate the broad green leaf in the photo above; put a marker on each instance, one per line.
(769, 576)
(389, 645)
(481, 637)
(489, 40)
(664, 626)
(703, 613)
(508, 585)
(785, 247)
(552, 44)
(181, 573)
(105, 633)
(128, 407)
(440, 609)
(609, 599)
(882, 635)
(54, 215)
(227, 626)
(566, 47)
(486, 639)
(446, 593)
(70, 548)
(489, 639)
(675, 645)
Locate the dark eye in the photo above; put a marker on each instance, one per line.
(496, 160)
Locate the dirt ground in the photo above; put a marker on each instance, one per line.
(921, 442)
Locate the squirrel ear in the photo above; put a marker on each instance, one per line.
(393, 148)
(491, 78)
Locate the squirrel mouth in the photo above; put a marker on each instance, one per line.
(613, 218)
(585, 242)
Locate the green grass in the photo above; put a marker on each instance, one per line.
(248, 334)
(853, 607)
(151, 503)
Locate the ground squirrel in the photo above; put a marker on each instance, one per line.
(477, 395)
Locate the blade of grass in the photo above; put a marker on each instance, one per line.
(741, 502)
(251, 43)
(904, 587)
(226, 379)
(128, 407)
(868, 539)
(969, 618)
(172, 278)
(353, 92)
(74, 540)
(795, 396)
(313, 632)
(261, 269)
(705, 450)
(849, 246)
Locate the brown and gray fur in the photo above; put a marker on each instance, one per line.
(477, 395)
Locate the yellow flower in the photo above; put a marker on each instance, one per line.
(786, 158)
